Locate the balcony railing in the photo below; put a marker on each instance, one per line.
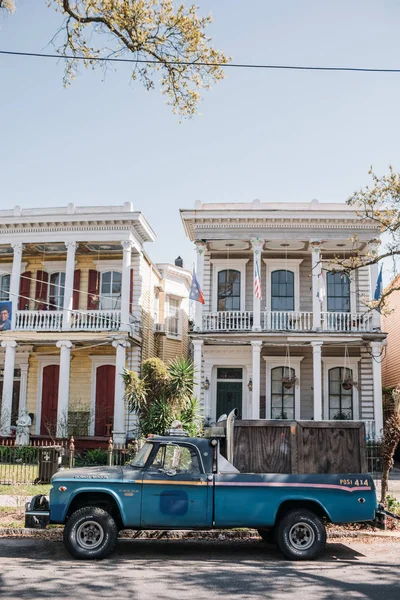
(232, 320)
(340, 321)
(81, 320)
(285, 321)
(96, 320)
(39, 320)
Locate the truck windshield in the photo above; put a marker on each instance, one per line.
(142, 456)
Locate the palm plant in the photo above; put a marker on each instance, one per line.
(161, 395)
(391, 437)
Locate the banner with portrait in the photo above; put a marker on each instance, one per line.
(5, 316)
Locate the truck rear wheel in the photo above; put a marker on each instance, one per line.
(301, 535)
(90, 533)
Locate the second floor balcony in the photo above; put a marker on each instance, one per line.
(241, 321)
(81, 320)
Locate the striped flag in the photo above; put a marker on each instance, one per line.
(196, 293)
(257, 280)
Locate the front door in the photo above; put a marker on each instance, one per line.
(105, 390)
(229, 391)
(48, 419)
(175, 490)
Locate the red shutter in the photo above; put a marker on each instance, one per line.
(131, 293)
(24, 290)
(42, 279)
(93, 290)
(76, 286)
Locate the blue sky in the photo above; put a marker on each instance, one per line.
(274, 135)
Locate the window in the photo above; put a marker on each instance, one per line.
(282, 290)
(338, 292)
(228, 373)
(176, 458)
(340, 399)
(56, 291)
(282, 398)
(156, 307)
(5, 287)
(228, 290)
(15, 394)
(174, 305)
(110, 290)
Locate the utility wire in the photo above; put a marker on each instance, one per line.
(199, 64)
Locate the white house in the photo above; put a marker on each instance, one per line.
(310, 328)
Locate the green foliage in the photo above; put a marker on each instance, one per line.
(393, 505)
(24, 454)
(96, 457)
(162, 395)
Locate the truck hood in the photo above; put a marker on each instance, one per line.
(88, 474)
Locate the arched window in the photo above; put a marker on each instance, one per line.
(282, 396)
(56, 291)
(282, 290)
(228, 290)
(340, 394)
(338, 292)
(110, 290)
(5, 287)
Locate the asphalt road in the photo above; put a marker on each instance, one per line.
(156, 569)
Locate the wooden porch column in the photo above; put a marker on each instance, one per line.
(197, 360)
(257, 245)
(15, 280)
(63, 387)
(317, 380)
(200, 250)
(69, 284)
(8, 384)
(119, 431)
(316, 272)
(255, 404)
(125, 284)
(376, 348)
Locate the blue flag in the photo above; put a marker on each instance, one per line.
(195, 290)
(378, 289)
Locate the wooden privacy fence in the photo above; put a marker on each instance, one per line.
(299, 446)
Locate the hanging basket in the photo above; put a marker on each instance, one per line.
(349, 383)
(288, 382)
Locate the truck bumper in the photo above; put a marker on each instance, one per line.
(37, 513)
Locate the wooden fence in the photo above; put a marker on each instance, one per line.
(299, 447)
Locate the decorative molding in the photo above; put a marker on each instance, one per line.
(331, 362)
(223, 264)
(290, 264)
(271, 362)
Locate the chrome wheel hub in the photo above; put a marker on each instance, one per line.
(90, 535)
(301, 536)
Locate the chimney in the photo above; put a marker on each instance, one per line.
(179, 262)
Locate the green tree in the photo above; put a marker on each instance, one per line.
(162, 395)
(163, 37)
(391, 437)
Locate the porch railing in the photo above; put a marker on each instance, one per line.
(341, 321)
(286, 321)
(95, 320)
(232, 320)
(39, 320)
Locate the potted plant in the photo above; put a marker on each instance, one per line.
(349, 383)
(288, 382)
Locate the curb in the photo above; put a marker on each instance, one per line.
(220, 535)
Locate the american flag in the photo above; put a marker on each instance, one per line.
(257, 280)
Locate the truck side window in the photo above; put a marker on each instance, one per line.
(177, 458)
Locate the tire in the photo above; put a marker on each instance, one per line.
(301, 535)
(90, 533)
(267, 535)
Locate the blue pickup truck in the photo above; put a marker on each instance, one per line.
(183, 483)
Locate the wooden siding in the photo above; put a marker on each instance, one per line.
(391, 325)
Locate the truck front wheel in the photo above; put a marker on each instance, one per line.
(90, 533)
(301, 535)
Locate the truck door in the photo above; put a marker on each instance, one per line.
(175, 489)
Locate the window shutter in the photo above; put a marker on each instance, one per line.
(131, 293)
(24, 290)
(76, 286)
(93, 290)
(42, 279)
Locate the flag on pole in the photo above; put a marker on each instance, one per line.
(321, 287)
(257, 280)
(195, 290)
(378, 289)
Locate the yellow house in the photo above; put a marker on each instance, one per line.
(80, 300)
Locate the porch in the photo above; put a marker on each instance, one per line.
(81, 320)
